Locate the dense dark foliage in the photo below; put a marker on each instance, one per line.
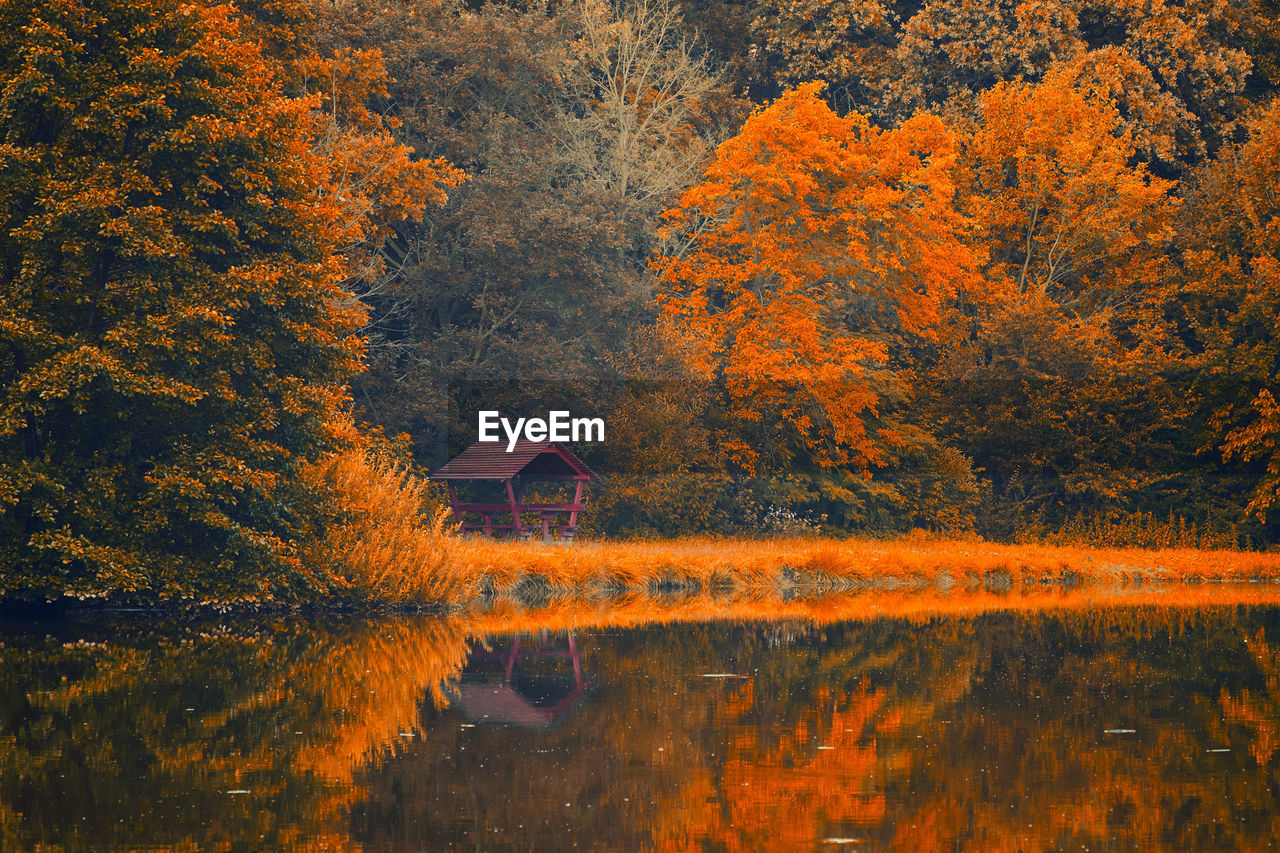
(174, 339)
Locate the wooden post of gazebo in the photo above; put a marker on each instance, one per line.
(527, 462)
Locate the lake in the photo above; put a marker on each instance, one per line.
(1146, 720)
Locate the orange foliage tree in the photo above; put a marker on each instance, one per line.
(174, 339)
(1054, 375)
(1230, 242)
(812, 248)
(1176, 68)
(1055, 196)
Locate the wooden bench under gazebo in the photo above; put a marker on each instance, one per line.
(486, 464)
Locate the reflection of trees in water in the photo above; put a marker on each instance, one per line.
(1026, 762)
(668, 756)
(956, 730)
(1256, 711)
(136, 739)
(905, 733)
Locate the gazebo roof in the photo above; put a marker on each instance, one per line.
(490, 460)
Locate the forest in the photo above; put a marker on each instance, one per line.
(980, 268)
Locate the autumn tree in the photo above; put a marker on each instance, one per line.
(641, 114)
(1053, 375)
(377, 184)
(1261, 29)
(577, 125)
(1229, 245)
(1178, 70)
(174, 340)
(1174, 68)
(813, 247)
(1056, 199)
(851, 45)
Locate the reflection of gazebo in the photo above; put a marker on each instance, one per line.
(528, 462)
(535, 700)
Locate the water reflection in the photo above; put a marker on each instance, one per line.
(521, 691)
(1130, 727)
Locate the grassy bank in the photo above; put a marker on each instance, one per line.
(394, 548)
(816, 566)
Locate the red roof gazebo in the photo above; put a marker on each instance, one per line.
(527, 462)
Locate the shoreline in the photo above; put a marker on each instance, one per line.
(474, 573)
(804, 567)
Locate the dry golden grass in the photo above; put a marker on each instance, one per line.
(1139, 530)
(392, 548)
(825, 563)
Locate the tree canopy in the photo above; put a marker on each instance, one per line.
(174, 339)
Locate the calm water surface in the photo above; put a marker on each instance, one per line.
(1126, 728)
